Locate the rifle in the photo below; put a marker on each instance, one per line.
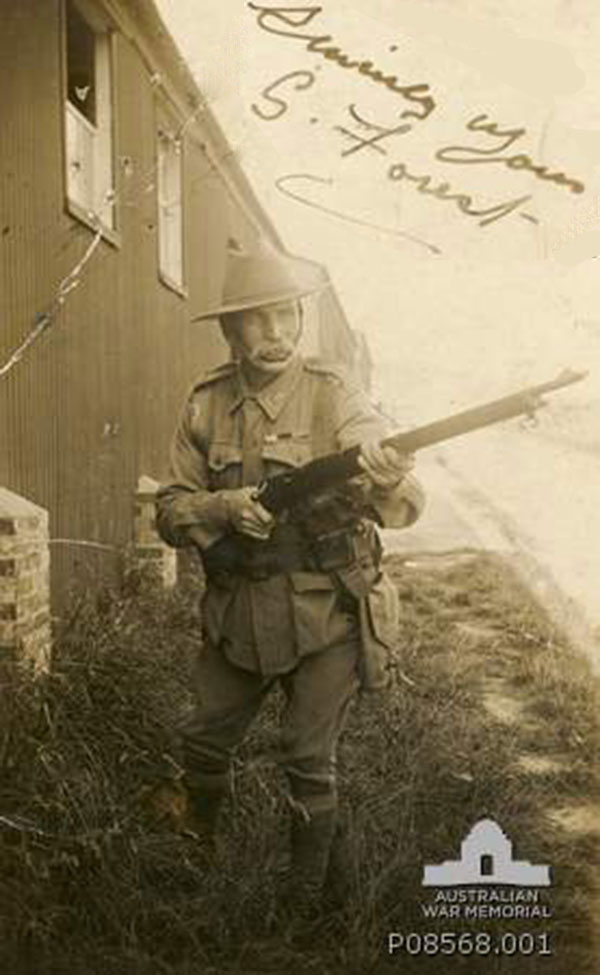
(282, 491)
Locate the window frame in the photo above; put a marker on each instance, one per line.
(98, 19)
(166, 117)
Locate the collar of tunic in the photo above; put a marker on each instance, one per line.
(273, 397)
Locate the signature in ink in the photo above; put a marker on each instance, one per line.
(397, 172)
(304, 79)
(424, 183)
(282, 185)
(470, 155)
(464, 202)
(289, 22)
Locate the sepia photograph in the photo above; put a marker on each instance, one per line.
(299, 487)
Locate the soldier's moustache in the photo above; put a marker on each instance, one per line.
(276, 353)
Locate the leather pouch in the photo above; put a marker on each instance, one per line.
(379, 615)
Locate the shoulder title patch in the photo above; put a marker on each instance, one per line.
(324, 368)
(214, 375)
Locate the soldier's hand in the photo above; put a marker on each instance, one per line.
(246, 515)
(385, 467)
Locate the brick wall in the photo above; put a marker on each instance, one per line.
(25, 634)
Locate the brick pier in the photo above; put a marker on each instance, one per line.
(25, 635)
(155, 559)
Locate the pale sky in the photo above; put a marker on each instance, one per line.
(452, 310)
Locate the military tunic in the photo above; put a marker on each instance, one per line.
(230, 436)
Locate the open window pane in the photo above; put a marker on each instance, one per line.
(81, 137)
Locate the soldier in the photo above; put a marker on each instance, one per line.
(300, 599)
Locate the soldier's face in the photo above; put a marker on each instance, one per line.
(266, 338)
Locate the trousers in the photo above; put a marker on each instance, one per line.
(317, 693)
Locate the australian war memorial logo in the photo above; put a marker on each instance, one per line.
(487, 881)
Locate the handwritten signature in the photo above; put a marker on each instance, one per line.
(275, 20)
(457, 155)
(424, 182)
(470, 155)
(399, 171)
(368, 134)
(361, 133)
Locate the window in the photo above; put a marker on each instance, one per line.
(170, 211)
(88, 115)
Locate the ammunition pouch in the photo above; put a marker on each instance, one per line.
(354, 559)
(379, 617)
(236, 555)
(353, 556)
(333, 551)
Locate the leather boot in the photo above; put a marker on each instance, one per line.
(341, 878)
(310, 849)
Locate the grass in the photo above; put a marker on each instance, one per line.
(89, 885)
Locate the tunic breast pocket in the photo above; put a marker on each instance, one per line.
(224, 465)
(285, 452)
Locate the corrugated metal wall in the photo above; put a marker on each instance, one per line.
(93, 404)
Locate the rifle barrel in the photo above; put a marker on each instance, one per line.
(517, 404)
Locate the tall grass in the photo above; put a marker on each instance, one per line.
(90, 882)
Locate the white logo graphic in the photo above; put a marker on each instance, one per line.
(486, 858)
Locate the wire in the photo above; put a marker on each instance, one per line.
(43, 320)
(83, 543)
